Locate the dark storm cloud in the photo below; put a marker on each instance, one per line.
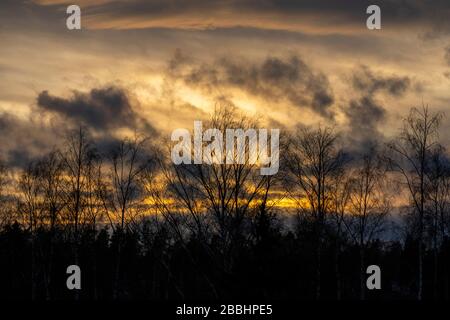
(366, 113)
(273, 79)
(100, 109)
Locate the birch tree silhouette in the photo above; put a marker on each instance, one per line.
(312, 158)
(369, 204)
(411, 155)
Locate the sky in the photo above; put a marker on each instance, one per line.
(154, 66)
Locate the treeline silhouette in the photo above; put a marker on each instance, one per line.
(141, 227)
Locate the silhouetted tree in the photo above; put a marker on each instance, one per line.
(369, 204)
(340, 196)
(312, 158)
(77, 157)
(438, 206)
(411, 154)
(124, 198)
(6, 212)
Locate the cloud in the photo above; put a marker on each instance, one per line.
(364, 80)
(318, 15)
(274, 79)
(364, 116)
(366, 113)
(100, 109)
(447, 55)
(22, 140)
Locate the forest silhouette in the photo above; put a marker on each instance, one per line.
(141, 227)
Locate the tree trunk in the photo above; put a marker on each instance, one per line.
(33, 271)
(362, 285)
(337, 269)
(420, 275)
(318, 261)
(435, 257)
(117, 267)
